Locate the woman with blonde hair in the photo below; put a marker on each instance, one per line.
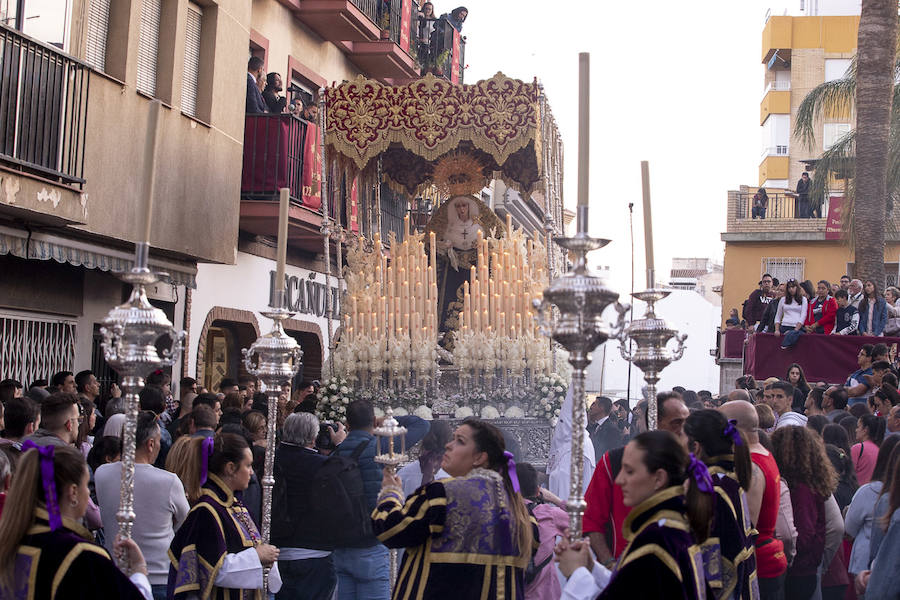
(469, 536)
(44, 551)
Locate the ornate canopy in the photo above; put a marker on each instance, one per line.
(497, 121)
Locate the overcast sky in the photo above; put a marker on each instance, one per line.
(677, 84)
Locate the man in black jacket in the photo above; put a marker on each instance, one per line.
(606, 434)
(759, 299)
(305, 562)
(255, 102)
(803, 207)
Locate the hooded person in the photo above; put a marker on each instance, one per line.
(560, 461)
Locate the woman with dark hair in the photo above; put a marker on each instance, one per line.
(791, 311)
(807, 289)
(869, 435)
(861, 513)
(728, 554)
(811, 479)
(666, 522)
(834, 579)
(818, 423)
(797, 378)
(837, 436)
(218, 551)
(882, 580)
(44, 551)
(873, 312)
(820, 315)
(469, 536)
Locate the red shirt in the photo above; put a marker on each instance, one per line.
(605, 506)
(827, 313)
(770, 558)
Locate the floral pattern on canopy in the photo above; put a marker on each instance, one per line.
(498, 120)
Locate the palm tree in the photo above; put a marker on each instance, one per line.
(863, 155)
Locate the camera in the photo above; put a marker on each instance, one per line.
(323, 440)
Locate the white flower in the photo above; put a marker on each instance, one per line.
(514, 412)
(463, 412)
(333, 386)
(346, 400)
(556, 413)
(378, 413)
(344, 390)
(489, 412)
(559, 389)
(400, 412)
(545, 389)
(423, 412)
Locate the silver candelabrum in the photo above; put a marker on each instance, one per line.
(277, 359)
(651, 334)
(580, 296)
(134, 346)
(391, 458)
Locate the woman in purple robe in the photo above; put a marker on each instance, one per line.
(466, 537)
(45, 552)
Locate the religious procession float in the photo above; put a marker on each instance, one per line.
(440, 319)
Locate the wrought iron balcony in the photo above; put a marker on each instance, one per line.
(43, 109)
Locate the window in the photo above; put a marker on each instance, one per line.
(834, 132)
(148, 46)
(783, 269)
(35, 347)
(190, 79)
(836, 68)
(97, 30)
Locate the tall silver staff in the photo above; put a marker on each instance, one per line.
(581, 297)
(277, 359)
(135, 334)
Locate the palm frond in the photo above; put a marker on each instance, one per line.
(839, 159)
(831, 97)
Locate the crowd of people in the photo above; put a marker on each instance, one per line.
(792, 308)
(784, 489)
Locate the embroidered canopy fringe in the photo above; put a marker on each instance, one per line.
(497, 120)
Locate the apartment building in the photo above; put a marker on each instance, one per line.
(798, 52)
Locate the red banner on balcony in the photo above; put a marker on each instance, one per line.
(454, 60)
(833, 225)
(354, 205)
(405, 20)
(312, 169)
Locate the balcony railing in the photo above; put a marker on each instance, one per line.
(777, 86)
(776, 151)
(368, 8)
(274, 148)
(43, 108)
(780, 206)
(437, 52)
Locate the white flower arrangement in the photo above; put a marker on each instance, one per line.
(423, 412)
(489, 412)
(378, 413)
(552, 392)
(400, 412)
(514, 412)
(464, 412)
(334, 396)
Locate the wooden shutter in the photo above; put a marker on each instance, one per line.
(148, 46)
(190, 79)
(97, 30)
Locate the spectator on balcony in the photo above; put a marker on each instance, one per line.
(759, 298)
(767, 322)
(873, 312)
(760, 203)
(791, 309)
(822, 310)
(892, 298)
(855, 290)
(426, 24)
(803, 208)
(808, 290)
(275, 102)
(734, 320)
(846, 320)
(255, 102)
(458, 17)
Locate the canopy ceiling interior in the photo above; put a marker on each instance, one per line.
(502, 123)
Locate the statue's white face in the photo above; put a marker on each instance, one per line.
(462, 210)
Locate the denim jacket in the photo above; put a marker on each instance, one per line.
(879, 318)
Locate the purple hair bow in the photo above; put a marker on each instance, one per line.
(511, 470)
(733, 432)
(206, 450)
(48, 481)
(701, 475)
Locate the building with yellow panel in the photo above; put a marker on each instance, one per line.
(798, 53)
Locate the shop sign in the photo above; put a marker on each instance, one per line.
(306, 296)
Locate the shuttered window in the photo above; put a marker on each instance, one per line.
(190, 79)
(148, 46)
(97, 30)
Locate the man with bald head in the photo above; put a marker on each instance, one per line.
(739, 394)
(764, 499)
